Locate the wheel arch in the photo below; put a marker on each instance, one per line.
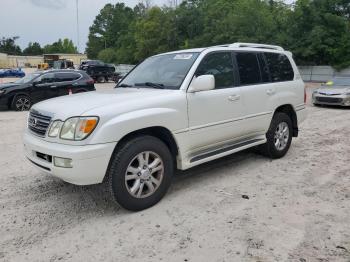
(289, 110)
(14, 95)
(159, 132)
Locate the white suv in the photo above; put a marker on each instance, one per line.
(174, 110)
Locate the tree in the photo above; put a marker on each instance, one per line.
(107, 55)
(33, 49)
(8, 46)
(66, 46)
(108, 27)
(316, 31)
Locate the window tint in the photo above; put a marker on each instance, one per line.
(46, 78)
(264, 69)
(280, 67)
(248, 67)
(62, 77)
(219, 65)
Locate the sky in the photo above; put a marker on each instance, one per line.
(45, 21)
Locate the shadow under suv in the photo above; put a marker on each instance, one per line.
(38, 86)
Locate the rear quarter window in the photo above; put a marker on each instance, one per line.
(279, 67)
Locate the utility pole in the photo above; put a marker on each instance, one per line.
(77, 7)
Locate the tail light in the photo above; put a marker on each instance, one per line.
(90, 81)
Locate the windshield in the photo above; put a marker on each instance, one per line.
(162, 71)
(27, 78)
(339, 81)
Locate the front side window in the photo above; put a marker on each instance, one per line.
(279, 66)
(248, 67)
(162, 71)
(219, 65)
(47, 78)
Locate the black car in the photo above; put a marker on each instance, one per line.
(98, 70)
(38, 86)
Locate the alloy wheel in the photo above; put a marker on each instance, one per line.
(23, 104)
(144, 174)
(281, 136)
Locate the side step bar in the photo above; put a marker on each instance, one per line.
(228, 149)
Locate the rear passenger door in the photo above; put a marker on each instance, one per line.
(66, 82)
(258, 94)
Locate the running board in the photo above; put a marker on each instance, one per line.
(228, 149)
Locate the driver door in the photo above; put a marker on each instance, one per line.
(215, 116)
(45, 87)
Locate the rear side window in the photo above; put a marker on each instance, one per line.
(279, 67)
(219, 65)
(62, 77)
(248, 68)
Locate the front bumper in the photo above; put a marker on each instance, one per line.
(89, 162)
(336, 100)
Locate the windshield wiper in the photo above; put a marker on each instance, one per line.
(125, 85)
(150, 84)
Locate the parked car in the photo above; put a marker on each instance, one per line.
(23, 93)
(99, 71)
(11, 73)
(335, 92)
(174, 110)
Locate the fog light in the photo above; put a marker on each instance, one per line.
(63, 162)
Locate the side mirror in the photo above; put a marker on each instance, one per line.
(202, 83)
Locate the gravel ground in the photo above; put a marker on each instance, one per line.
(244, 207)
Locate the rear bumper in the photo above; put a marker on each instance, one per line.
(89, 162)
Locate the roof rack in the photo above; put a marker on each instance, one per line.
(252, 45)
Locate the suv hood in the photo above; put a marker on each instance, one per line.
(120, 98)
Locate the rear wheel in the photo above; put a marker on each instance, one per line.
(279, 136)
(140, 173)
(21, 103)
(101, 79)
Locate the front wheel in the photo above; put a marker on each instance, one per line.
(21, 103)
(279, 136)
(140, 173)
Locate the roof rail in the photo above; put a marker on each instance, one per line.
(252, 45)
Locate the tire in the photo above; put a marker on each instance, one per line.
(125, 163)
(270, 149)
(21, 103)
(101, 79)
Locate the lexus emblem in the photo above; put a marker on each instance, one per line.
(32, 121)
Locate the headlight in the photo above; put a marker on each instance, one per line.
(78, 128)
(55, 128)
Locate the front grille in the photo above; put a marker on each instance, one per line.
(38, 123)
(329, 100)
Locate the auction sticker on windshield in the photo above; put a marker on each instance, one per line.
(183, 56)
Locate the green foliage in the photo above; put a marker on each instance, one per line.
(108, 55)
(8, 46)
(66, 46)
(316, 31)
(33, 49)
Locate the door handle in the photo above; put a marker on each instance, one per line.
(234, 97)
(270, 92)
